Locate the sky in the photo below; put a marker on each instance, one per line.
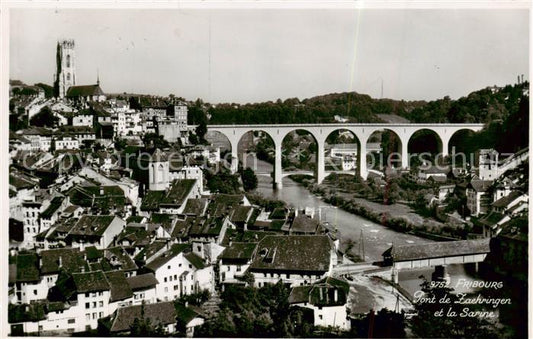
(254, 55)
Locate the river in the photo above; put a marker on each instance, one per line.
(376, 238)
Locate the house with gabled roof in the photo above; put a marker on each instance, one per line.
(95, 230)
(159, 314)
(294, 259)
(328, 299)
(478, 196)
(143, 288)
(180, 272)
(235, 260)
(51, 214)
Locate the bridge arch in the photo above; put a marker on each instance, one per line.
(295, 154)
(263, 148)
(458, 148)
(342, 152)
(385, 148)
(422, 141)
(224, 142)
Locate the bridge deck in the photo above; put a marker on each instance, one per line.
(437, 250)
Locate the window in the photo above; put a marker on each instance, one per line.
(94, 304)
(238, 268)
(94, 315)
(68, 62)
(168, 266)
(288, 276)
(165, 279)
(101, 315)
(71, 321)
(320, 316)
(68, 76)
(176, 287)
(175, 277)
(34, 292)
(87, 305)
(170, 278)
(179, 265)
(190, 266)
(166, 289)
(101, 303)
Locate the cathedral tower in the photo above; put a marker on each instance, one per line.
(65, 76)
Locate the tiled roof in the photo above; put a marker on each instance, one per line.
(90, 282)
(120, 289)
(125, 263)
(304, 224)
(239, 250)
(505, 201)
(206, 227)
(143, 281)
(195, 260)
(101, 197)
(186, 314)
(84, 91)
(178, 191)
(162, 313)
(27, 269)
(241, 213)
(21, 181)
(299, 294)
(71, 260)
(53, 207)
(195, 206)
(151, 200)
(293, 253)
(224, 204)
(92, 225)
(150, 250)
(167, 256)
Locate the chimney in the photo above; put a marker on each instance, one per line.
(60, 262)
(101, 190)
(321, 294)
(336, 295)
(40, 262)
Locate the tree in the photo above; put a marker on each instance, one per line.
(152, 140)
(45, 118)
(201, 131)
(48, 90)
(249, 179)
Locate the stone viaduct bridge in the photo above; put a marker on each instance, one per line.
(320, 132)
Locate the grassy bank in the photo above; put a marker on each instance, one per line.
(398, 217)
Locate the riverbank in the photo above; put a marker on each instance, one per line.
(397, 216)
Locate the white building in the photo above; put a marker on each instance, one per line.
(235, 261)
(180, 272)
(66, 143)
(328, 300)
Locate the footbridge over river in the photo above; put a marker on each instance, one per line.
(436, 254)
(320, 132)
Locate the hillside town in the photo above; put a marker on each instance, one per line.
(102, 238)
